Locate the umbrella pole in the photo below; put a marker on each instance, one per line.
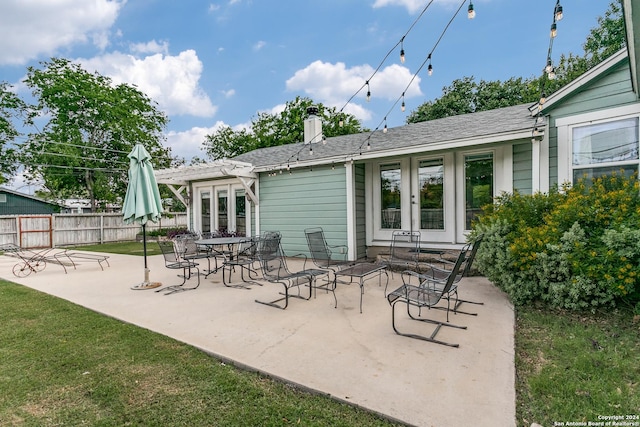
(146, 284)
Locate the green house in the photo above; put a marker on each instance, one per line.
(15, 203)
(432, 177)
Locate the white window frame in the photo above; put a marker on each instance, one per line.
(565, 128)
(214, 187)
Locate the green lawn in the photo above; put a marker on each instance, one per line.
(130, 248)
(61, 364)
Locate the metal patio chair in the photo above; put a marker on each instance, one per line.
(441, 274)
(323, 256)
(275, 270)
(244, 256)
(174, 261)
(427, 293)
(404, 251)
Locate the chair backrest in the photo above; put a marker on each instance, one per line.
(168, 251)
(453, 276)
(271, 256)
(405, 245)
(471, 255)
(318, 247)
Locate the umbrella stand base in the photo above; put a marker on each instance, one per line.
(146, 285)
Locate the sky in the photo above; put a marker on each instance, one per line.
(220, 63)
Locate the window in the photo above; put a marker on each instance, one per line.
(390, 180)
(222, 210)
(205, 206)
(604, 148)
(478, 182)
(241, 214)
(431, 183)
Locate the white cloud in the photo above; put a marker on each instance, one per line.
(213, 7)
(412, 5)
(150, 47)
(259, 45)
(172, 81)
(228, 93)
(29, 29)
(188, 143)
(334, 84)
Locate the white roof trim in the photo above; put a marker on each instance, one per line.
(220, 168)
(582, 80)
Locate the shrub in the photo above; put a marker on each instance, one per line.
(577, 248)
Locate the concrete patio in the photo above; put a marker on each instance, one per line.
(353, 357)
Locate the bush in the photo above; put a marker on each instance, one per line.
(576, 248)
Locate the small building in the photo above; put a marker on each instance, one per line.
(15, 203)
(432, 177)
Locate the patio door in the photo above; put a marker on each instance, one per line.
(476, 187)
(222, 207)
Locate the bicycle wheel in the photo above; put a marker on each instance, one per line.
(21, 270)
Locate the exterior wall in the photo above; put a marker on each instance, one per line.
(360, 206)
(13, 204)
(306, 198)
(612, 89)
(522, 168)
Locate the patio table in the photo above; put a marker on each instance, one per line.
(361, 273)
(220, 246)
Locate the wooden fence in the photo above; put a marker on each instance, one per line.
(46, 231)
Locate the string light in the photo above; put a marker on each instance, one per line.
(402, 50)
(403, 106)
(471, 13)
(558, 11)
(554, 30)
(384, 130)
(368, 92)
(430, 67)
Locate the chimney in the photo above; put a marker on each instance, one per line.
(312, 126)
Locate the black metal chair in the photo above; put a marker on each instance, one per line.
(428, 293)
(322, 253)
(441, 274)
(174, 262)
(188, 250)
(275, 270)
(244, 256)
(404, 251)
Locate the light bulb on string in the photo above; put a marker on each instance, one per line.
(554, 30)
(310, 150)
(549, 66)
(558, 11)
(402, 106)
(543, 98)
(429, 68)
(402, 50)
(471, 13)
(552, 74)
(368, 92)
(384, 130)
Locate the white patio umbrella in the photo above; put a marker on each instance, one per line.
(142, 201)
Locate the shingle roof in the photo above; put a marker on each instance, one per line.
(499, 124)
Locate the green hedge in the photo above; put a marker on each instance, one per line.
(576, 248)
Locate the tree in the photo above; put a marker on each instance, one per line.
(91, 126)
(466, 96)
(11, 107)
(269, 130)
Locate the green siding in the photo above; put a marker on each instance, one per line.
(13, 204)
(360, 206)
(612, 89)
(522, 166)
(316, 197)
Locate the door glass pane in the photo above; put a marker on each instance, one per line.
(223, 224)
(390, 196)
(205, 207)
(478, 173)
(241, 217)
(431, 182)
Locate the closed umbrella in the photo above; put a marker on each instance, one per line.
(142, 201)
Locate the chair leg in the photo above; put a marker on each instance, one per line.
(430, 338)
(186, 273)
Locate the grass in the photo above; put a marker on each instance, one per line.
(61, 364)
(129, 248)
(575, 367)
